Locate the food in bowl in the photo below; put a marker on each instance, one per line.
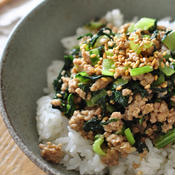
(113, 104)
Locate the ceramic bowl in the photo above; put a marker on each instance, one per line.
(31, 47)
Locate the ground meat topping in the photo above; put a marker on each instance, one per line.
(160, 112)
(65, 83)
(131, 100)
(145, 79)
(80, 117)
(111, 157)
(116, 125)
(51, 152)
(173, 99)
(73, 85)
(81, 93)
(136, 107)
(126, 92)
(56, 102)
(100, 84)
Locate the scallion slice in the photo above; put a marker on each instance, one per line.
(96, 55)
(108, 65)
(169, 40)
(129, 136)
(145, 24)
(97, 145)
(165, 139)
(168, 71)
(141, 70)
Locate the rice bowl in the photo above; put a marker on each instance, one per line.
(79, 155)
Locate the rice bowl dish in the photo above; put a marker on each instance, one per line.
(110, 110)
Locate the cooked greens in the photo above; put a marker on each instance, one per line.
(117, 86)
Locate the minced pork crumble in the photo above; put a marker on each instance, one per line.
(117, 88)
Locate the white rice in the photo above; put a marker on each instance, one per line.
(52, 126)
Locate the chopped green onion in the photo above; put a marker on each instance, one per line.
(93, 101)
(106, 66)
(135, 47)
(149, 44)
(129, 136)
(96, 57)
(97, 145)
(109, 52)
(169, 40)
(120, 82)
(70, 107)
(141, 70)
(82, 77)
(131, 28)
(168, 71)
(145, 24)
(165, 139)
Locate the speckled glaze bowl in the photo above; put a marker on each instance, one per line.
(31, 47)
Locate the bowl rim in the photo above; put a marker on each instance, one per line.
(3, 110)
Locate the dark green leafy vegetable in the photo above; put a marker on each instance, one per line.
(165, 139)
(76, 51)
(137, 88)
(160, 80)
(109, 121)
(99, 34)
(70, 107)
(110, 108)
(93, 125)
(68, 59)
(120, 99)
(139, 145)
(83, 77)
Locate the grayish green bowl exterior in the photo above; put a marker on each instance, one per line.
(35, 43)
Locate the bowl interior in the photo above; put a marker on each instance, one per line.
(32, 47)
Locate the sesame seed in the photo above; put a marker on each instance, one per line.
(59, 95)
(162, 65)
(118, 88)
(147, 86)
(93, 55)
(155, 77)
(164, 84)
